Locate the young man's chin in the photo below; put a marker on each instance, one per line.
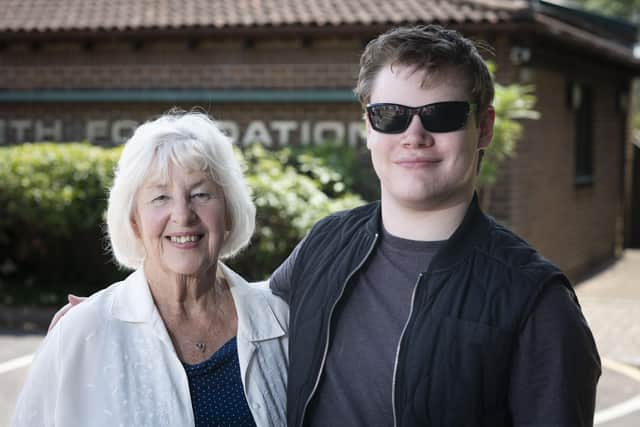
(433, 201)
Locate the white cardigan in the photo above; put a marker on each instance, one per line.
(110, 362)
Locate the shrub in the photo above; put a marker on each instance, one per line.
(54, 188)
(53, 198)
(290, 194)
(512, 103)
(339, 168)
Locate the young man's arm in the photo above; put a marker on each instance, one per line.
(280, 280)
(556, 365)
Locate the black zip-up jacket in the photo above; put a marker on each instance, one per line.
(454, 357)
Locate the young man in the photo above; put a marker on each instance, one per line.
(420, 310)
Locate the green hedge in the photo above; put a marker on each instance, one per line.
(54, 189)
(53, 198)
(291, 192)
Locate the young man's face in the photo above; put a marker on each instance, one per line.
(419, 169)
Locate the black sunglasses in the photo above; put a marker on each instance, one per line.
(438, 117)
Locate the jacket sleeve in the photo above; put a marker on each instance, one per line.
(556, 365)
(280, 280)
(36, 405)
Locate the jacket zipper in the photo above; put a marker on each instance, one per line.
(395, 363)
(326, 344)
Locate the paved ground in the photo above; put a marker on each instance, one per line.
(610, 301)
(13, 368)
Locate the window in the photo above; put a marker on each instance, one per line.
(582, 105)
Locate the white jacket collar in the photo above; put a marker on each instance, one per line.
(256, 318)
(257, 321)
(132, 301)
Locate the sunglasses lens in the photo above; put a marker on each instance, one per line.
(389, 118)
(445, 116)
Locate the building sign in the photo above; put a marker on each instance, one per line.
(274, 133)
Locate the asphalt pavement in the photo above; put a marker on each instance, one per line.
(610, 300)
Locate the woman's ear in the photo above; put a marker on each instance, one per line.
(134, 225)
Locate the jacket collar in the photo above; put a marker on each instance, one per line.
(471, 233)
(257, 321)
(256, 318)
(132, 301)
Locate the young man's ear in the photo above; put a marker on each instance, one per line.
(485, 127)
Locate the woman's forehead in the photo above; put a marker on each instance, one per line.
(165, 176)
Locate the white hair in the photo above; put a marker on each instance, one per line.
(187, 140)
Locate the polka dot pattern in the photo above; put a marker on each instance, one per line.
(216, 390)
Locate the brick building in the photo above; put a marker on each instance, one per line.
(281, 72)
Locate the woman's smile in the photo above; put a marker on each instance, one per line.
(185, 241)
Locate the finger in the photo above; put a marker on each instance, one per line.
(75, 300)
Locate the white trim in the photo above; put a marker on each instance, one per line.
(622, 368)
(617, 411)
(17, 363)
(626, 407)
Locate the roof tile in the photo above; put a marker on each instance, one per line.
(116, 15)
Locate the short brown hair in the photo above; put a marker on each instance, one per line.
(429, 48)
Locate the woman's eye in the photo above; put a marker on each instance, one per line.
(201, 196)
(160, 198)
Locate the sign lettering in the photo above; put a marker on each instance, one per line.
(275, 133)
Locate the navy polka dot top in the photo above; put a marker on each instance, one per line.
(216, 390)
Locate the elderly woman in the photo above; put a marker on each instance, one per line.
(183, 340)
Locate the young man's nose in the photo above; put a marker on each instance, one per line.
(416, 135)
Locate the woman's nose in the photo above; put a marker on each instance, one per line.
(183, 213)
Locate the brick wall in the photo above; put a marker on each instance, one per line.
(574, 226)
(286, 64)
(275, 64)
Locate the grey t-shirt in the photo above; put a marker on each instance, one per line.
(355, 389)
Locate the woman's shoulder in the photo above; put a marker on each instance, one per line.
(277, 304)
(91, 312)
(83, 322)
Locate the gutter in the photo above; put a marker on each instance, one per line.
(580, 38)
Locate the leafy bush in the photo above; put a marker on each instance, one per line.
(53, 198)
(54, 188)
(291, 193)
(512, 103)
(339, 168)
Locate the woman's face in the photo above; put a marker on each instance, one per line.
(181, 222)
